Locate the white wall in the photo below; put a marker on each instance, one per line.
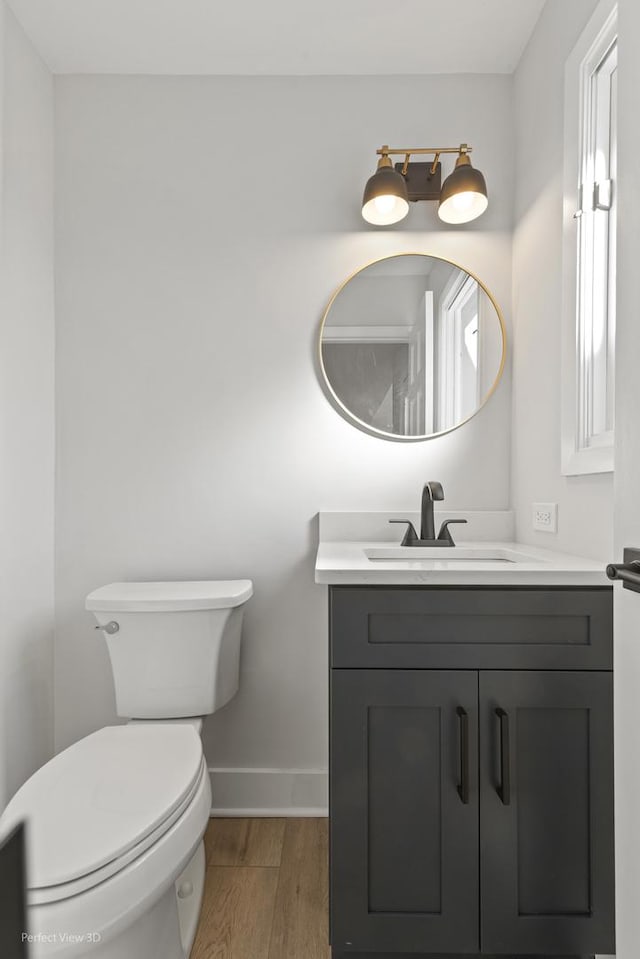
(202, 225)
(26, 410)
(585, 503)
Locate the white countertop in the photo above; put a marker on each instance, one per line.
(344, 563)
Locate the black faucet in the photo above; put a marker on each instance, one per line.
(431, 493)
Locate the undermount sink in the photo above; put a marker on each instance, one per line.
(452, 554)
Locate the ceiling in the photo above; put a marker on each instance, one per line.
(254, 37)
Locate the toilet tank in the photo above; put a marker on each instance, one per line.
(174, 647)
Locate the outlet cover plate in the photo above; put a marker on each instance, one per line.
(545, 517)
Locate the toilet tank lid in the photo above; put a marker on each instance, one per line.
(158, 597)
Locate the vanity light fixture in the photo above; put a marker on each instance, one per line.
(461, 198)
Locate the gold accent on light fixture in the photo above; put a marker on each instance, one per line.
(423, 151)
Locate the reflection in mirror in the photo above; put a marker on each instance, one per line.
(411, 346)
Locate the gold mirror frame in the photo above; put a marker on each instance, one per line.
(398, 437)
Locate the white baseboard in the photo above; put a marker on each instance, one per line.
(269, 792)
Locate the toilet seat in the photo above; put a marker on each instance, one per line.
(103, 802)
(47, 894)
(129, 899)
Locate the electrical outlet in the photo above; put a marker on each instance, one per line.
(545, 517)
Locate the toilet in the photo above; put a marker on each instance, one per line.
(115, 823)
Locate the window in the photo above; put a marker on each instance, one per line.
(589, 312)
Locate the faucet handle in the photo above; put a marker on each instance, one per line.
(444, 533)
(410, 538)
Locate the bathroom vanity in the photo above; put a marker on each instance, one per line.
(471, 767)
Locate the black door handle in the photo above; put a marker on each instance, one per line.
(628, 571)
(463, 730)
(504, 787)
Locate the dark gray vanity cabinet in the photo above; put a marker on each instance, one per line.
(471, 808)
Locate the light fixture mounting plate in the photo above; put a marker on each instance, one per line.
(422, 184)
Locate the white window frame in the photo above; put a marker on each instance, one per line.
(585, 450)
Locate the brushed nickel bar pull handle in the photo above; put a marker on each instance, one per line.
(504, 788)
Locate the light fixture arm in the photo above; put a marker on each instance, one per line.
(386, 151)
(416, 151)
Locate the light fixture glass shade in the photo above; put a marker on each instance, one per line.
(464, 193)
(385, 199)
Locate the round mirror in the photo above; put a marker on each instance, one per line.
(411, 346)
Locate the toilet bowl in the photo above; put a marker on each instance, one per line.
(115, 823)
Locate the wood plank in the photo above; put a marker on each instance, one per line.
(237, 913)
(244, 842)
(300, 922)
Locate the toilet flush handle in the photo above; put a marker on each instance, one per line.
(110, 628)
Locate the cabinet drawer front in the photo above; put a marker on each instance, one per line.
(471, 628)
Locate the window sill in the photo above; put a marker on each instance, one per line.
(583, 462)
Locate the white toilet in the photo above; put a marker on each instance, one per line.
(115, 857)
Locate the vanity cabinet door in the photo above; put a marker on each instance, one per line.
(546, 812)
(404, 811)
